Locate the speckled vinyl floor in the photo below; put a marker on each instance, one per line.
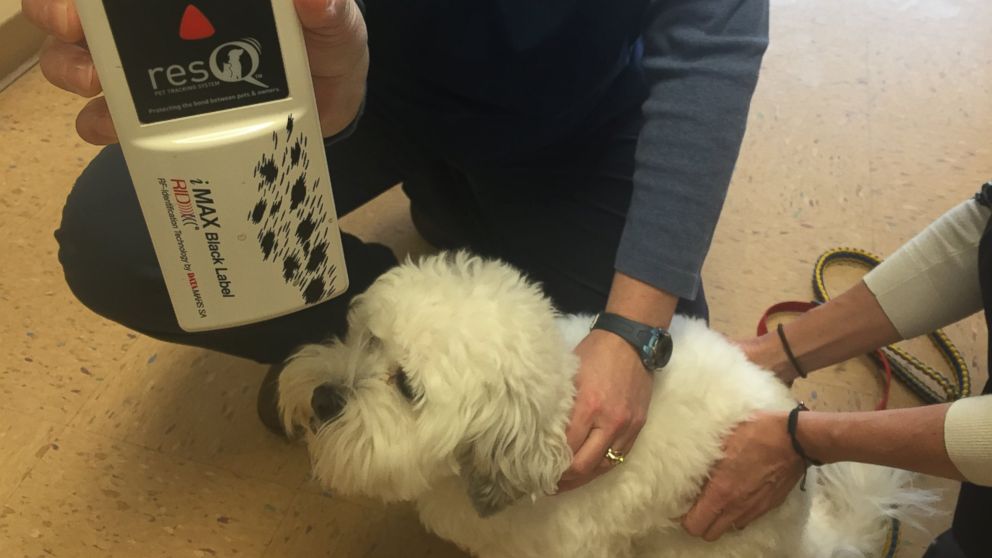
(871, 119)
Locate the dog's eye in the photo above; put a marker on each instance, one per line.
(402, 382)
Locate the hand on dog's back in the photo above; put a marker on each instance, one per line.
(758, 471)
(614, 392)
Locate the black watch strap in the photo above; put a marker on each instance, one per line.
(651, 343)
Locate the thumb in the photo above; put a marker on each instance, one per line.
(335, 35)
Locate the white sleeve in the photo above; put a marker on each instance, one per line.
(932, 280)
(968, 438)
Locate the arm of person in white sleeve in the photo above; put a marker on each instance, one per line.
(968, 438)
(928, 283)
(932, 280)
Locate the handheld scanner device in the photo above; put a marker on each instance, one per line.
(214, 107)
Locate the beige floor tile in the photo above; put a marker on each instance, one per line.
(930, 89)
(92, 496)
(823, 391)
(197, 405)
(925, 19)
(971, 338)
(754, 264)
(386, 220)
(320, 526)
(804, 160)
(55, 354)
(24, 440)
(813, 47)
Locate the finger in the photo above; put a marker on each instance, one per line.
(579, 425)
(620, 446)
(70, 67)
(756, 510)
(724, 523)
(762, 506)
(733, 508)
(708, 508)
(330, 92)
(57, 17)
(576, 433)
(584, 464)
(565, 485)
(757, 505)
(335, 35)
(593, 451)
(94, 124)
(625, 438)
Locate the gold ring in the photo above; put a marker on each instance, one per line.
(615, 457)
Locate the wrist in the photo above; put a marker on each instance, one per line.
(623, 353)
(635, 300)
(767, 352)
(817, 434)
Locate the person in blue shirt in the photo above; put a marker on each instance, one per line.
(588, 142)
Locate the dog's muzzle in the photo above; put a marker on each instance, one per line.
(327, 402)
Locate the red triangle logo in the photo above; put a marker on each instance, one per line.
(195, 25)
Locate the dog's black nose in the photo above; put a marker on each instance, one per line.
(327, 402)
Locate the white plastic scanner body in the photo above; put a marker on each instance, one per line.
(216, 117)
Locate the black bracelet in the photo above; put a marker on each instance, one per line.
(792, 425)
(788, 351)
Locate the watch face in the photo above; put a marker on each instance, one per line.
(659, 350)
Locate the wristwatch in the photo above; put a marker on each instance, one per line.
(653, 344)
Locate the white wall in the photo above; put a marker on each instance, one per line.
(9, 8)
(19, 41)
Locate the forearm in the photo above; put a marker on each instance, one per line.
(911, 439)
(932, 280)
(929, 282)
(701, 62)
(641, 302)
(850, 325)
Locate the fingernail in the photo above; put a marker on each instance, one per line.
(83, 74)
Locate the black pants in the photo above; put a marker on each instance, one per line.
(558, 216)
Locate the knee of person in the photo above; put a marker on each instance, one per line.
(102, 215)
(88, 273)
(112, 284)
(75, 253)
(102, 238)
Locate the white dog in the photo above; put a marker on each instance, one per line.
(453, 389)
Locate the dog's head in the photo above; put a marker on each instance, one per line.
(452, 366)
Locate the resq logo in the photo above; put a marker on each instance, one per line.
(237, 61)
(231, 62)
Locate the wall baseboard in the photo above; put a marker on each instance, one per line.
(20, 42)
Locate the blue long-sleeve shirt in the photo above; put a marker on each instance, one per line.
(482, 82)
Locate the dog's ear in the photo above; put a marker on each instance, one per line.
(489, 492)
(516, 457)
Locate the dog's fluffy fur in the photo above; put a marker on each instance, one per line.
(481, 443)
